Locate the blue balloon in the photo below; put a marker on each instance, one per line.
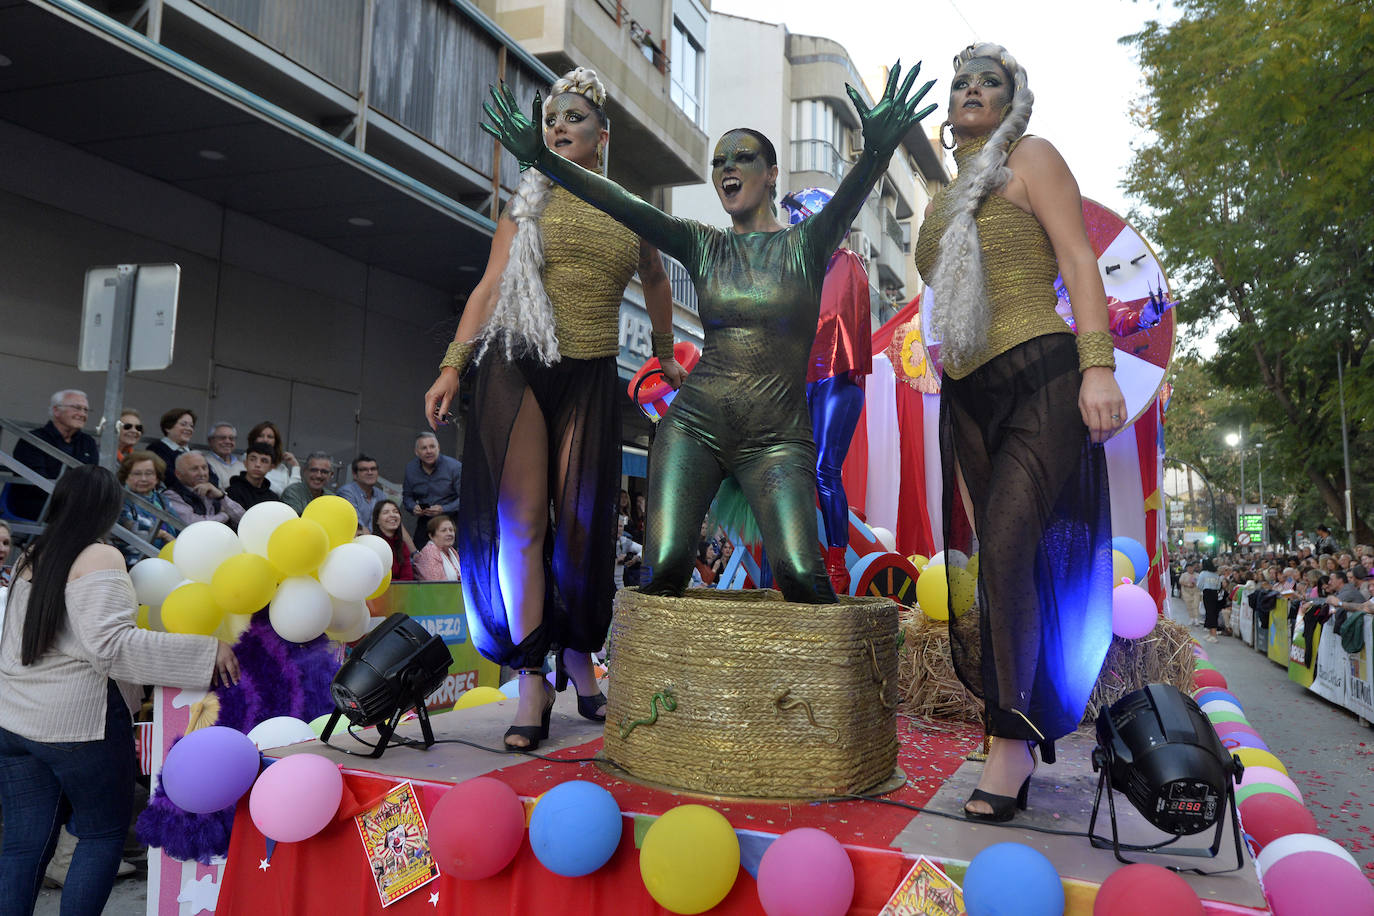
(1012, 879)
(1140, 560)
(575, 828)
(1216, 693)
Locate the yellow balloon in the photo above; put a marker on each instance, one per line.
(386, 583)
(243, 584)
(191, 608)
(689, 859)
(972, 567)
(932, 592)
(143, 619)
(964, 588)
(298, 546)
(1122, 568)
(1254, 757)
(479, 696)
(232, 627)
(919, 561)
(336, 515)
(166, 552)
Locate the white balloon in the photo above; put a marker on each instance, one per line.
(279, 731)
(154, 579)
(378, 546)
(1285, 846)
(259, 522)
(300, 610)
(886, 538)
(1212, 706)
(351, 572)
(202, 547)
(349, 622)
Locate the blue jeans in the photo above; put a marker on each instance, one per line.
(44, 784)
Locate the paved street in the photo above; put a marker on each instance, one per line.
(1328, 753)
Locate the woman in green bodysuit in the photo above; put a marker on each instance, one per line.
(743, 409)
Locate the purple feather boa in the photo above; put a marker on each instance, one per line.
(277, 678)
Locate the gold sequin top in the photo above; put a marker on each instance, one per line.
(1019, 268)
(588, 260)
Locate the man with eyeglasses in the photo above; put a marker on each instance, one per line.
(68, 410)
(224, 464)
(363, 491)
(319, 471)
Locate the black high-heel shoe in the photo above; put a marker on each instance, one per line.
(532, 734)
(587, 707)
(1004, 807)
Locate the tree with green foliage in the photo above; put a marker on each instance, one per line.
(1258, 182)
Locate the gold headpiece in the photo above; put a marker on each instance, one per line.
(584, 82)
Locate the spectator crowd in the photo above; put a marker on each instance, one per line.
(170, 483)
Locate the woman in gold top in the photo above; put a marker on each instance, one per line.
(544, 430)
(1023, 414)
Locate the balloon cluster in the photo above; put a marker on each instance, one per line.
(689, 857)
(291, 800)
(1301, 872)
(308, 570)
(950, 578)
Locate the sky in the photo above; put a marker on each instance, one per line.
(1084, 80)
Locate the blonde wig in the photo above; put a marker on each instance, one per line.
(523, 317)
(962, 314)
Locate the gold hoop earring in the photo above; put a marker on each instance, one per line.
(952, 143)
(601, 157)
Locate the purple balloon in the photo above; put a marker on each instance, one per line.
(1238, 739)
(210, 769)
(1225, 730)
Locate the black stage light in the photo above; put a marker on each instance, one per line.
(1156, 747)
(390, 671)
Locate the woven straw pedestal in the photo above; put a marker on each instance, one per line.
(751, 695)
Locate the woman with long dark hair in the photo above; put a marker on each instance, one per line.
(1024, 408)
(386, 524)
(71, 666)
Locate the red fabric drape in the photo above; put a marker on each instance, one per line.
(913, 520)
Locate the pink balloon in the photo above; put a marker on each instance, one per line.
(296, 797)
(1134, 613)
(1223, 729)
(1256, 775)
(1315, 882)
(806, 872)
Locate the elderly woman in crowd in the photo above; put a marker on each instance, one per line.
(71, 662)
(437, 561)
(127, 433)
(286, 470)
(178, 425)
(141, 474)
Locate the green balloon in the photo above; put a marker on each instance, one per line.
(1204, 665)
(1219, 717)
(1246, 789)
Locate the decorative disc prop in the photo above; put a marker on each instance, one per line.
(884, 575)
(1141, 314)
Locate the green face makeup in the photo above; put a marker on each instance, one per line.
(988, 76)
(742, 156)
(580, 128)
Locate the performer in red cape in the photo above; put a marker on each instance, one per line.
(841, 357)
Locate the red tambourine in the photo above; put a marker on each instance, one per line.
(651, 391)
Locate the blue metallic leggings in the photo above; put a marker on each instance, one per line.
(835, 404)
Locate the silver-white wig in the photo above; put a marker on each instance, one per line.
(962, 314)
(523, 317)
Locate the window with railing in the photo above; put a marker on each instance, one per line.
(818, 156)
(688, 72)
(680, 281)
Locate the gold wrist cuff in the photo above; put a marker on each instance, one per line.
(458, 355)
(663, 345)
(1095, 349)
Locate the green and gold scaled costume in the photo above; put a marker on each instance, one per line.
(742, 411)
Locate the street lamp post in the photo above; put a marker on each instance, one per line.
(1237, 441)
